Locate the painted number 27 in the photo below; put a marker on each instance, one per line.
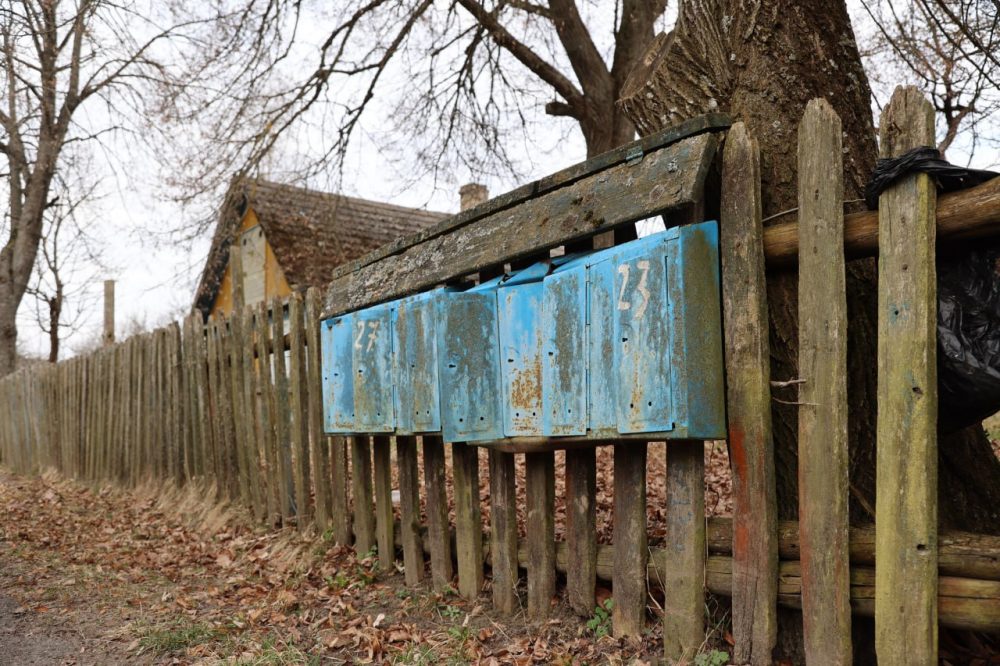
(624, 295)
(372, 334)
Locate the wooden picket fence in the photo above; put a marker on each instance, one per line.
(235, 404)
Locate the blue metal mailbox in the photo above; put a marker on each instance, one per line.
(665, 335)
(519, 305)
(338, 371)
(632, 339)
(372, 347)
(564, 359)
(468, 364)
(415, 364)
(623, 341)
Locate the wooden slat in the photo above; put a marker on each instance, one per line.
(629, 584)
(282, 424)
(318, 442)
(667, 180)
(265, 425)
(409, 509)
(755, 551)
(906, 466)
(298, 405)
(442, 569)
(468, 519)
(240, 420)
(684, 579)
(205, 432)
(581, 528)
(539, 484)
(213, 405)
(823, 457)
(503, 528)
(364, 514)
(383, 502)
(253, 429)
(176, 380)
(336, 448)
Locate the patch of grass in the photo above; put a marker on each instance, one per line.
(274, 655)
(417, 655)
(713, 658)
(449, 612)
(600, 623)
(163, 640)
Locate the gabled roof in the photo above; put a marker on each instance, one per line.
(310, 232)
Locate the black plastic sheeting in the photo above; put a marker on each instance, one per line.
(968, 312)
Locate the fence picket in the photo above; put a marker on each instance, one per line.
(906, 622)
(823, 456)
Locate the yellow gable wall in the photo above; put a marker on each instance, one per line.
(275, 283)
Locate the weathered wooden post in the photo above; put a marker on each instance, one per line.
(748, 374)
(823, 458)
(906, 548)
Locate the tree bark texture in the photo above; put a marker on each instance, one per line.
(762, 62)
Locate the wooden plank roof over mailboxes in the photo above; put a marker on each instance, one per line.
(309, 232)
(662, 173)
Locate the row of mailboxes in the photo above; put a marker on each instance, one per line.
(615, 342)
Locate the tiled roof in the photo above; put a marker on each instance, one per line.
(310, 232)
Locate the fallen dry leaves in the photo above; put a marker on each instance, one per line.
(174, 579)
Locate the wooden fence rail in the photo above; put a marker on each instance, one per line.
(235, 404)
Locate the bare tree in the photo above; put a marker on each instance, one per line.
(453, 83)
(945, 47)
(68, 263)
(57, 57)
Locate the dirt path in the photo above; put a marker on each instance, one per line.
(47, 636)
(160, 576)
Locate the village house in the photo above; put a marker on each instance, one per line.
(292, 238)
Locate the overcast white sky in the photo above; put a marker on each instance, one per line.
(156, 278)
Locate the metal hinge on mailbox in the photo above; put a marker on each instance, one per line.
(633, 155)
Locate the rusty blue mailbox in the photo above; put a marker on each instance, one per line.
(563, 323)
(415, 363)
(519, 305)
(632, 339)
(665, 335)
(338, 374)
(469, 364)
(373, 382)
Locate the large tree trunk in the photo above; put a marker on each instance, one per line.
(762, 62)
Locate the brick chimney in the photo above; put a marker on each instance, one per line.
(472, 194)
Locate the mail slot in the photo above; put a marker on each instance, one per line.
(468, 364)
(415, 364)
(338, 374)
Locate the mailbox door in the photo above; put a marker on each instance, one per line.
(521, 358)
(643, 327)
(372, 347)
(468, 360)
(415, 365)
(564, 359)
(602, 380)
(338, 370)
